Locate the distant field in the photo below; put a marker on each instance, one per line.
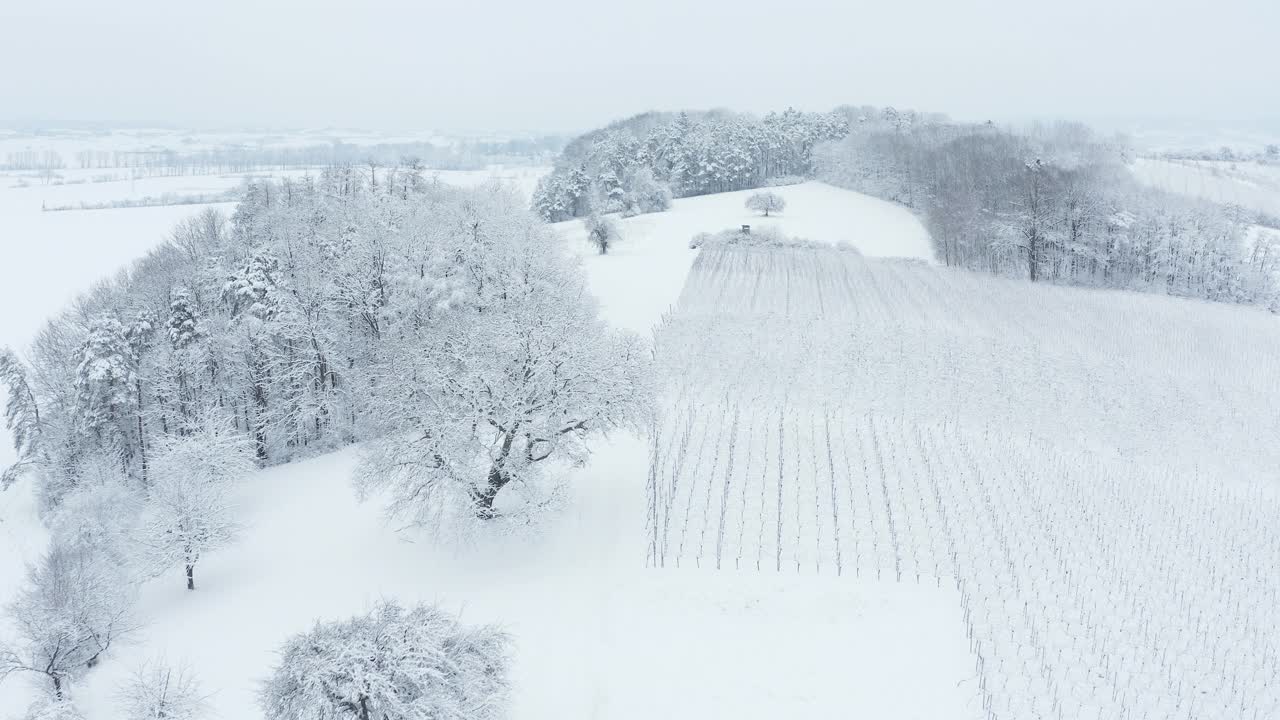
(1248, 184)
(1081, 466)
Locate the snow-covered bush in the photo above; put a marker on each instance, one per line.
(391, 664)
(76, 604)
(159, 691)
(763, 237)
(50, 708)
(602, 232)
(645, 194)
(765, 203)
(189, 510)
(102, 514)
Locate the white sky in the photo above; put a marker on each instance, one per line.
(572, 64)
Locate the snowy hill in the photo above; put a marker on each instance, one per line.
(965, 497)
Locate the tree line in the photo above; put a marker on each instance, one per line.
(630, 165)
(460, 154)
(1055, 203)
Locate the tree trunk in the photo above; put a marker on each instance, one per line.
(142, 443)
(498, 479)
(1033, 255)
(485, 497)
(191, 577)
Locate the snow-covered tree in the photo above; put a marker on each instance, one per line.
(159, 691)
(106, 384)
(392, 664)
(183, 325)
(76, 604)
(602, 232)
(765, 203)
(523, 373)
(100, 513)
(254, 295)
(189, 510)
(645, 194)
(254, 289)
(21, 414)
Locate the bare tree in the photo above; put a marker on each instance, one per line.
(602, 232)
(189, 509)
(75, 606)
(159, 691)
(766, 202)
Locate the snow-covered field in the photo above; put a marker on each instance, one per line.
(1248, 184)
(641, 277)
(1081, 467)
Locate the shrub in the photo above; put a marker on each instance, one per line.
(392, 664)
(602, 232)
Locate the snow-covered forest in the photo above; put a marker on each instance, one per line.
(1055, 203)
(629, 166)
(316, 302)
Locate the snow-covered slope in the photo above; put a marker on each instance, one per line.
(1083, 467)
(642, 276)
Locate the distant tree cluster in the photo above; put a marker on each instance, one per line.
(635, 165)
(458, 154)
(1054, 204)
(1269, 154)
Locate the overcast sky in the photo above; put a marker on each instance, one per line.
(572, 64)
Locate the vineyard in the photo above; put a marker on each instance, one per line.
(1093, 472)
